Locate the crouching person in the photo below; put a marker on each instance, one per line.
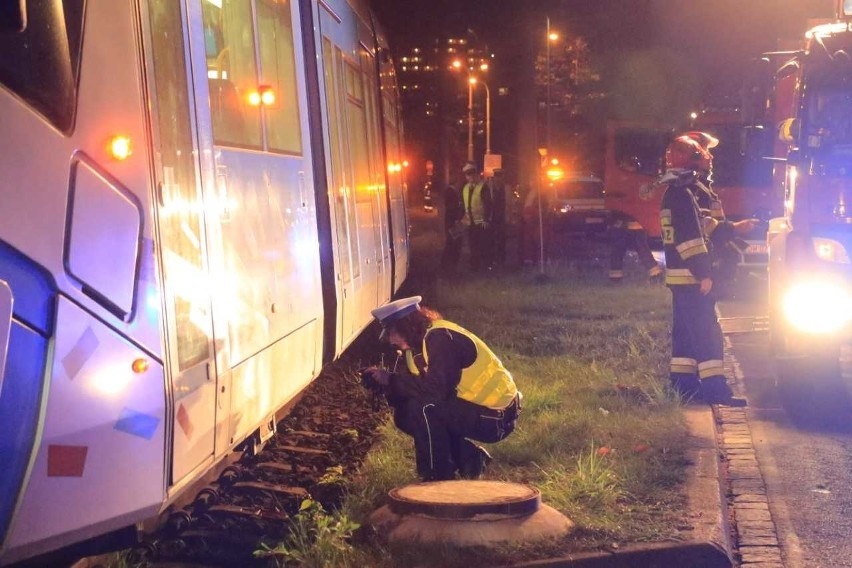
(452, 389)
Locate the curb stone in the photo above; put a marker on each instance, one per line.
(753, 526)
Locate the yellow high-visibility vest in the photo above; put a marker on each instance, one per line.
(472, 198)
(486, 382)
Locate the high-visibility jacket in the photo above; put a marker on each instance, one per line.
(486, 382)
(474, 205)
(684, 240)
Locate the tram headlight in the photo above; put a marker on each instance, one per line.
(818, 306)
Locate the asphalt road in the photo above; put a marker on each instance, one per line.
(803, 442)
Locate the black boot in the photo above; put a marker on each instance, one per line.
(715, 390)
(474, 461)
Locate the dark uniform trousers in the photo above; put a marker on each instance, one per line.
(697, 337)
(481, 248)
(441, 431)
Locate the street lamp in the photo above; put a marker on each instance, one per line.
(473, 81)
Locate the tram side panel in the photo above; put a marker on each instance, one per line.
(356, 163)
(77, 245)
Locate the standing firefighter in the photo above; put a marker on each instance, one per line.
(476, 198)
(697, 369)
(452, 389)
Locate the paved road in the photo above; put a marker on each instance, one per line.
(803, 443)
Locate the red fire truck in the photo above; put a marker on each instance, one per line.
(809, 246)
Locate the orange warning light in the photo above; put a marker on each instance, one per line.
(120, 147)
(140, 365)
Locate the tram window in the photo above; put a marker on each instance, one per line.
(41, 63)
(358, 135)
(180, 223)
(338, 183)
(231, 72)
(278, 62)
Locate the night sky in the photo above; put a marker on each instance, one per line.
(658, 60)
(717, 36)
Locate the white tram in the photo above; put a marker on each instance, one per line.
(200, 203)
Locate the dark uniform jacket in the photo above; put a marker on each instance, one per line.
(685, 242)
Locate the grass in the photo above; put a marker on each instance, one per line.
(599, 435)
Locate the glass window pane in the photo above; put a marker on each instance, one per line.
(179, 219)
(231, 72)
(278, 63)
(358, 134)
(41, 63)
(337, 183)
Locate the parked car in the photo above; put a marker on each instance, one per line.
(577, 205)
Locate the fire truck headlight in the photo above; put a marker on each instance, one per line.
(830, 250)
(818, 306)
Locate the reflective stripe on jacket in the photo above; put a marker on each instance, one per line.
(473, 204)
(486, 382)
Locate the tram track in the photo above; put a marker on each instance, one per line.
(317, 446)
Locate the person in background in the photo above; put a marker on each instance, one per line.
(497, 185)
(451, 390)
(625, 234)
(453, 229)
(476, 200)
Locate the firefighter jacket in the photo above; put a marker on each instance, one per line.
(486, 382)
(713, 215)
(684, 239)
(477, 203)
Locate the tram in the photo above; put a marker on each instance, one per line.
(200, 203)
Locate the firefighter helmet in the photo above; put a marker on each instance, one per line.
(684, 152)
(707, 141)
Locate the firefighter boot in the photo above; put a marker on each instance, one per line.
(687, 387)
(715, 390)
(474, 460)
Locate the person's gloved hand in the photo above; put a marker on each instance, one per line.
(745, 226)
(380, 376)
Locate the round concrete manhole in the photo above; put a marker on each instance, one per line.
(465, 499)
(468, 513)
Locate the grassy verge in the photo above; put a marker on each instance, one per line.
(599, 434)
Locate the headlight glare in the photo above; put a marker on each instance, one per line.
(830, 250)
(817, 307)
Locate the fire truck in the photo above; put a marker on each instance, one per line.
(810, 117)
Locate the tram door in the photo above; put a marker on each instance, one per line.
(353, 181)
(181, 242)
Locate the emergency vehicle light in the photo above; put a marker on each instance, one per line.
(818, 306)
(830, 250)
(120, 147)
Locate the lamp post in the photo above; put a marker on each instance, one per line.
(470, 82)
(473, 81)
(550, 36)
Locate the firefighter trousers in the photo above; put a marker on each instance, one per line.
(442, 432)
(697, 364)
